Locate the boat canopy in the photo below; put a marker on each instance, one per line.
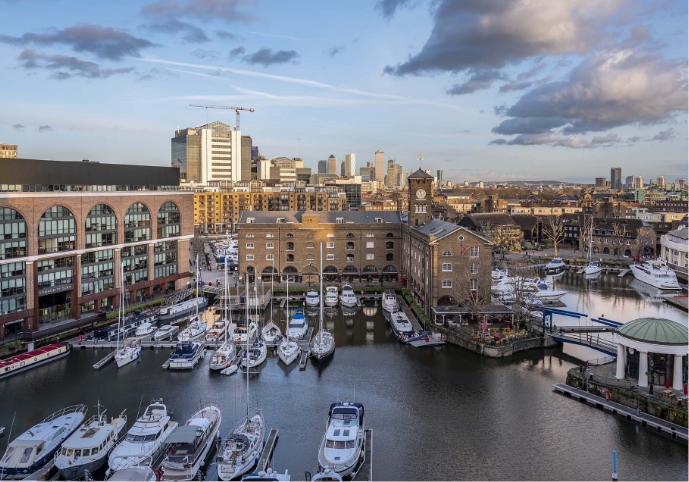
(186, 434)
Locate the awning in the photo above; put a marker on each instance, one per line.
(185, 434)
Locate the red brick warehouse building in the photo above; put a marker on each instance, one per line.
(65, 227)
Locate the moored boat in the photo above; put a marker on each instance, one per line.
(189, 444)
(312, 299)
(145, 329)
(348, 298)
(217, 331)
(195, 330)
(390, 303)
(87, 449)
(238, 453)
(657, 274)
(182, 309)
(298, 325)
(186, 356)
(31, 451)
(342, 447)
(34, 358)
(165, 331)
(129, 352)
(254, 355)
(400, 323)
(556, 264)
(330, 299)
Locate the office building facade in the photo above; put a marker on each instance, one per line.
(332, 165)
(616, 178)
(379, 164)
(350, 165)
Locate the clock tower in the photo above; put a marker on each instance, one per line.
(420, 198)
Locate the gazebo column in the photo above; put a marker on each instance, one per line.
(677, 373)
(643, 368)
(621, 361)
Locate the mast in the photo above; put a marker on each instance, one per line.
(197, 287)
(227, 292)
(120, 324)
(272, 277)
(287, 301)
(247, 346)
(320, 297)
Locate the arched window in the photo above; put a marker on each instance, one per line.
(12, 234)
(101, 227)
(168, 220)
(389, 235)
(369, 235)
(350, 235)
(290, 235)
(447, 253)
(137, 224)
(56, 231)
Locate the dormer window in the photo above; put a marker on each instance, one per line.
(379, 220)
(250, 220)
(339, 220)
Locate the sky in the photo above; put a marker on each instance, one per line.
(485, 89)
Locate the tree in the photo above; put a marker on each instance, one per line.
(586, 232)
(619, 231)
(554, 229)
(645, 239)
(520, 287)
(476, 294)
(501, 236)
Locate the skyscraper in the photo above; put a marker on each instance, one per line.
(629, 182)
(350, 165)
(661, 181)
(332, 165)
(616, 178)
(322, 167)
(639, 182)
(380, 165)
(439, 175)
(247, 147)
(254, 153)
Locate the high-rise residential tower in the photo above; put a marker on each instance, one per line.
(350, 165)
(322, 167)
(247, 146)
(616, 178)
(380, 165)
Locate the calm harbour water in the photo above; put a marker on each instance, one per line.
(439, 413)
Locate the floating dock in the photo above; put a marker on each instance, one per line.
(304, 346)
(423, 343)
(656, 424)
(679, 301)
(107, 359)
(267, 452)
(365, 470)
(624, 273)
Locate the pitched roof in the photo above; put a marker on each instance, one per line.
(525, 221)
(498, 219)
(420, 174)
(325, 217)
(680, 233)
(438, 229)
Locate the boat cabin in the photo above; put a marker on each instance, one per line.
(188, 440)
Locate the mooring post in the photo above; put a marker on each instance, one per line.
(614, 466)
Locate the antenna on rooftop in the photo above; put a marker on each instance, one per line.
(420, 159)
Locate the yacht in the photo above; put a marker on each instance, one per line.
(35, 448)
(312, 299)
(189, 444)
(348, 298)
(400, 323)
(86, 450)
(323, 344)
(390, 303)
(498, 272)
(298, 326)
(138, 469)
(546, 294)
(165, 331)
(288, 351)
(657, 274)
(146, 438)
(224, 356)
(182, 309)
(556, 264)
(244, 333)
(238, 453)
(592, 269)
(186, 356)
(330, 299)
(129, 352)
(195, 330)
(342, 447)
(217, 331)
(145, 329)
(326, 475)
(268, 475)
(254, 355)
(271, 333)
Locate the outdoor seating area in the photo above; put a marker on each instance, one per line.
(497, 336)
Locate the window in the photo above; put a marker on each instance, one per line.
(250, 220)
(447, 267)
(461, 238)
(350, 235)
(249, 257)
(270, 245)
(56, 231)
(447, 283)
(250, 235)
(339, 220)
(447, 253)
(369, 244)
(473, 284)
(473, 252)
(474, 268)
(290, 258)
(168, 220)
(330, 257)
(379, 220)
(389, 245)
(369, 235)
(350, 258)
(389, 256)
(290, 246)
(269, 235)
(369, 256)
(270, 257)
(137, 223)
(249, 245)
(290, 235)
(389, 235)
(330, 245)
(350, 246)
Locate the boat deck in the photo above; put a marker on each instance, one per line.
(423, 343)
(680, 301)
(412, 317)
(267, 452)
(365, 470)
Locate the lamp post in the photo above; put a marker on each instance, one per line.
(650, 374)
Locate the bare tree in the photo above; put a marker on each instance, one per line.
(619, 231)
(501, 236)
(586, 233)
(645, 238)
(554, 229)
(519, 288)
(476, 294)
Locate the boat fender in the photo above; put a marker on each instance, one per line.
(158, 474)
(607, 394)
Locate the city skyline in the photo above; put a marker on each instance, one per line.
(113, 90)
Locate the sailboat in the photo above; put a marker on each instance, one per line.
(223, 356)
(593, 268)
(271, 333)
(289, 350)
(257, 353)
(323, 344)
(131, 347)
(196, 329)
(239, 452)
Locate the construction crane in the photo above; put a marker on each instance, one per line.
(236, 109)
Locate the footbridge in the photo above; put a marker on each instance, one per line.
(587, 334)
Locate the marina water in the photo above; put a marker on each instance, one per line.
(439, 413)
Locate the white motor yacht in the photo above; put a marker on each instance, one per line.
(217, 331)
(86, 450)
(146, 438)
(268, 475)
(194, 331)
(186, 356)
(312, 299)
(330, 298)
(31, 451)
(348, 298)
(592, 269)
(189, 444)
(342, 447)
(165, 331)
(223, 356)
(138, 469)
(326, 475)
(390, 303)
(657, 274)
(129, 352)
(298, 326)
(238, 453)
(556, 264)
(145, 329)
(400, 323)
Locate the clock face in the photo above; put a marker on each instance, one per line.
(421, 194)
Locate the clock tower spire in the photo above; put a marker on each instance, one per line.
(420, 186)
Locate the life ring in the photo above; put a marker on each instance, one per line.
(607, 394)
